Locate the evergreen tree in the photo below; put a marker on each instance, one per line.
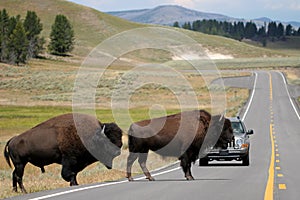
(262, 36)
(272, 29)
(33, 28)
(187, 25)
(289, 29)
(250, 30)
(62, 36)
(4, 34)
(238, 32)
(18, 44)
(176, 24)
(280, 31)
(196, 25)
(298, 32)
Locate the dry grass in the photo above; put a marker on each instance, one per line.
(21, 85)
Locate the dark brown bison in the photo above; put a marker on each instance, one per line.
(72, 140)
(181, 135)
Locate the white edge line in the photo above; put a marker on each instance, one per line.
(101, 185)
(293, 105)
(251, 99)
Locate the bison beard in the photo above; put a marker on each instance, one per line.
(64, 140)
(180, 135)
(100, 140)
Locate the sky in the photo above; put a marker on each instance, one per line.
(283, 10)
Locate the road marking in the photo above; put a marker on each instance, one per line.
(282, 186)
(279, 175)
(293, 105)
(277, 168)
(270, 184)
(251, 98)
(271, 90)
(99, 186)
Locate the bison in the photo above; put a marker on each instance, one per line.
(72, 140)
(184, 135)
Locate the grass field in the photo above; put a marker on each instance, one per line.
(43, 88)
(17, 119)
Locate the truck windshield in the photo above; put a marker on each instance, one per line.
(237, 127)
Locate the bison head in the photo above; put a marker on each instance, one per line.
(226, 135)
(106, 144)
(219, 134)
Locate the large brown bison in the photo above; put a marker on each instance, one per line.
(72, 140)
(181, 135)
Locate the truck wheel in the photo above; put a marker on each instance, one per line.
(203, 162)
(246, 161)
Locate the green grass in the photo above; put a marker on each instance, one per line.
(252, 63)
(90, 26)
(289, 46)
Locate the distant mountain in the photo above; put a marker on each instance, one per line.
(168, 14)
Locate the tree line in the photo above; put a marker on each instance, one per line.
(241, 30)
(21, 40)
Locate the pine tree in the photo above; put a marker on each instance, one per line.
(18, 44)
(4, 34)
(289, 29)
(62, 36)
(272, 29)
(250, 30)
(33, 28)
(280, 31)
(176, 24)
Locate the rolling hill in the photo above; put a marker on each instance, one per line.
(168, 14)
(92, 27)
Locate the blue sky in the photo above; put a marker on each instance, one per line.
(284, 10)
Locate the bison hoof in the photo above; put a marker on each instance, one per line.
(130, 179)
(190, 178)
(150, 178)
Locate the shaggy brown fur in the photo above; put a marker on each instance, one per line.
(64, 140)
(180, 135)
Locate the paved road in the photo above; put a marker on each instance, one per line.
(275, 144)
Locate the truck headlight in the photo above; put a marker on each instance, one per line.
(238, 143)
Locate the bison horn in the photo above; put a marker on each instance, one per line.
(102, 132)
(221, 117)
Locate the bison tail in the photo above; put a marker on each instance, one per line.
(6, 154)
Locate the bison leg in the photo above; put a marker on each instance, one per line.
(68, 175)
(130, 160)
(142, 161)
(73, 180)
(18, 177)
(15, 182)
(186, 167)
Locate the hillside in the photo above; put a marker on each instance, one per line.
(168, 14)
(92, 27)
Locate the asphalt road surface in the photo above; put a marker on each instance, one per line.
(274, 160)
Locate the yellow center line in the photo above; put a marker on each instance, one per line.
(270, 184)
(282, 186)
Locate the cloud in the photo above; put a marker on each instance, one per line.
(185, 3)
(282, 5)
